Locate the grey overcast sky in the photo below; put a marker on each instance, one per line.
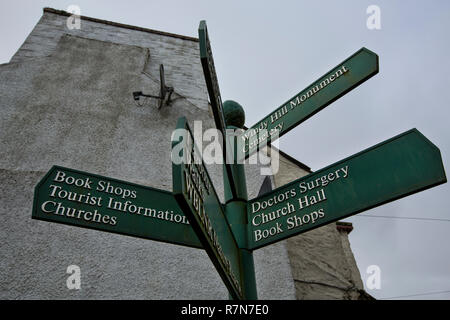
(267, 51)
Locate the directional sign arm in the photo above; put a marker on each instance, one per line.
(343, 78)
(209, 72)
(196, 195)
(398, 167)
(92, 201)
(212, 85)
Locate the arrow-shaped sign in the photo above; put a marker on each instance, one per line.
(344, 77)
(87, 200)
(400, 166)
(195, 193)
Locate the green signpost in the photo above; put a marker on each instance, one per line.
(395, 168)
(91, 201)
(346, 76)
(192, 214)
(195, 193)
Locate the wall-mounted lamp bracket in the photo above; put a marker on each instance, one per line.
(165, 92)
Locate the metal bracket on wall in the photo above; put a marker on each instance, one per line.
(165, 92)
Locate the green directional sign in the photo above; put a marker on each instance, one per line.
(393, 169)
(346, 76)
(87, 200)
(209, 71)
(212, 84)
(195, 193)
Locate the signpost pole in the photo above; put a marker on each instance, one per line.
(236, 214)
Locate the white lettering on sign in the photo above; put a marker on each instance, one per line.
(291, 206)
(69, 189)
(257, 135)
(324, 180)
(196, 187)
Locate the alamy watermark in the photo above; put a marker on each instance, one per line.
(374, 19)
(74, 21)
(209, 147)
(373, 281)
(73, 282)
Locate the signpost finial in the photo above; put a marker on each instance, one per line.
(234, 114)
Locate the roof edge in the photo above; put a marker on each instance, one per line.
(121, 25)
(293, 160)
